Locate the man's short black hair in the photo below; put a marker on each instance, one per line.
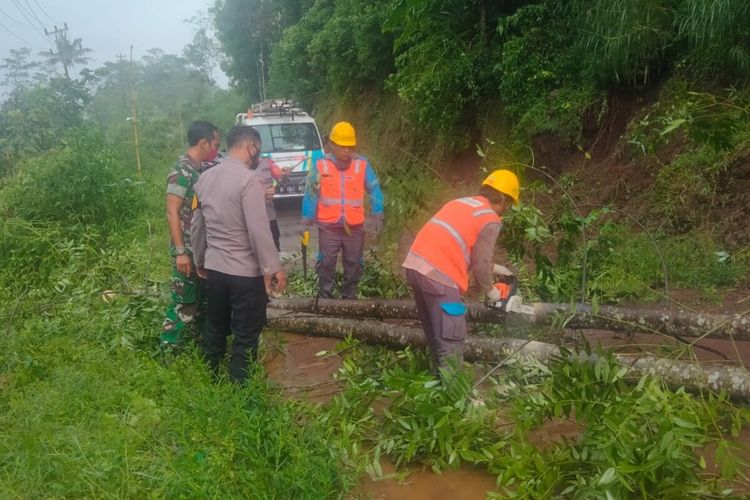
(201, 130)
(241, 133)
(494, 196)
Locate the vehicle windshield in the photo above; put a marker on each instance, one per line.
(288, 137)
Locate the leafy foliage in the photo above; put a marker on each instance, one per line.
(18, 68)
(32, 118)
(636, 441)
(617, 263)
(540, 75)
(248, 30)
(323, 51)
(716, 32)
(631, 439)
(80, 183)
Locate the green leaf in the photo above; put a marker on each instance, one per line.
(607, 477)
(674, 124)
(684, 423)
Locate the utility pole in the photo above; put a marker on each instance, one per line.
(133, 115)
(57, 32)
(121, 77)
(179, 124)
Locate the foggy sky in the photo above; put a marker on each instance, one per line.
(108, 27)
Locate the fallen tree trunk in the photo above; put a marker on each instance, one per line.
(676, 373)
(673, 323)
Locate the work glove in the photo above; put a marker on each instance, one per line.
(499, 270)
(494, 295)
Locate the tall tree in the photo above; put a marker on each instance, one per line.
(67, 52)
(18, 68)
(203, 52)
(248, 31)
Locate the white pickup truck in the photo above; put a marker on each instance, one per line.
(290, 138)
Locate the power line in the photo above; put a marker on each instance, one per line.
(15, 20)
(44, 11)
(25, 42)
(33, 14)
(23, 13)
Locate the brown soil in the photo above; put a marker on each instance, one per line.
(732, 301)
(462, 484)
(555, 431)
(615, 175)
(293, 365)
(739, 449)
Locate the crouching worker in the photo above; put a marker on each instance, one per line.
(458, 239)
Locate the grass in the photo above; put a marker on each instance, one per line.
(89, 407)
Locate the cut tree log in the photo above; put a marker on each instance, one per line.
(676, 373)
(676, 323)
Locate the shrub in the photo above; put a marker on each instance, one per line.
(717, 33)
(625, 41)
(685, 190)
(80, 183)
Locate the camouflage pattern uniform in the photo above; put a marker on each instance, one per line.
(186, 312)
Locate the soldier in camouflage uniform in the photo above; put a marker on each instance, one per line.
(187, 306)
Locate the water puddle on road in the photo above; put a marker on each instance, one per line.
(462, 484)
(292, 361)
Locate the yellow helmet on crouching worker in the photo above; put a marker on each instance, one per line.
(342, 134)
(504, 181)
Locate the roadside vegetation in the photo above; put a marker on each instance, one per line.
(629, 123)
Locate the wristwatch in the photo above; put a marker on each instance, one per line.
(180, 251)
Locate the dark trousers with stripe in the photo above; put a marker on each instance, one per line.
(236, 305)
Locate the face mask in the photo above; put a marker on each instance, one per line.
(212, 154)
(254, 162)
(254, 159)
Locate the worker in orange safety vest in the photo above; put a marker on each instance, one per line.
(459, 239)
(337, 187)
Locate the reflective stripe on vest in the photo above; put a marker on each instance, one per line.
(456, 236)
(342, 193)
(470, 201)
(447, 240)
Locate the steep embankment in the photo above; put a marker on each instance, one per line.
(656, 178)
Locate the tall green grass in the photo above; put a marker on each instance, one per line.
(89, 406)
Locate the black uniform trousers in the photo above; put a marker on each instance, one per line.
(236, 305)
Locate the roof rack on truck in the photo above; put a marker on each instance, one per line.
(271, 107)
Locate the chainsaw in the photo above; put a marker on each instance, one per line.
(510, 301)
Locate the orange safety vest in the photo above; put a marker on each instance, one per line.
(446, 241)
(342, 192)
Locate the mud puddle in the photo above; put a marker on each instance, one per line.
(740, 450)
(423, 484)
(293, 363)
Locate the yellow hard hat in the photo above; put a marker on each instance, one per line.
(342, 134)
(504, 181)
